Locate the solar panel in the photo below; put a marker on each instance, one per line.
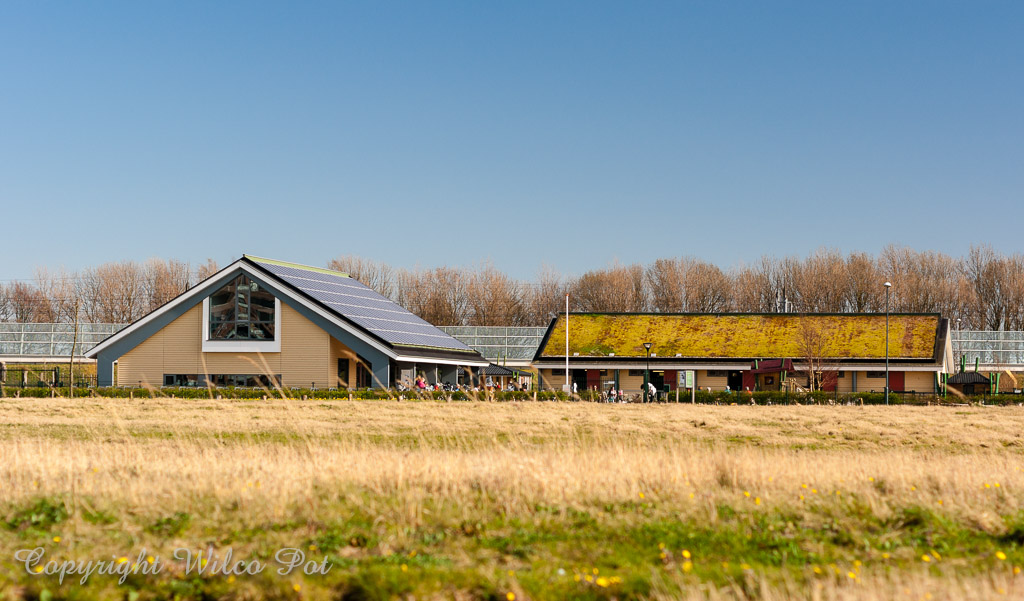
(365, 307)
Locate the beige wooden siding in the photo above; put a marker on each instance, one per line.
(716, 383)
(305, 351)
(919, 381)
(866, 384)
(144, 364)
(549, 381)
(177, 349)
(845, 383)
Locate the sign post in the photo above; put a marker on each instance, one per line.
(687, 379)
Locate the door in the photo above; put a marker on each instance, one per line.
(896, 381)
(735, 380)
(579, 378)
(343, 373)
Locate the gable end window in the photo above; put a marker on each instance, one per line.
(242, 316)
(242, 310)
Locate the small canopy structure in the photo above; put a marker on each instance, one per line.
(498, 375)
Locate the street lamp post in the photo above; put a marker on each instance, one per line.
(888, 286)
(647, 374)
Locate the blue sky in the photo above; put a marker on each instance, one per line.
(566, 133)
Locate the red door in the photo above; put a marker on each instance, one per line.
(593, 379)
(896, 381)
(749, 380)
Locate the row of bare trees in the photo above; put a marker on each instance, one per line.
(111, 293)
(983, 290)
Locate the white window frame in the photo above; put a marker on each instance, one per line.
(241, 346)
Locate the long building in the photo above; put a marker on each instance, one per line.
(743, 351)
(262, 322)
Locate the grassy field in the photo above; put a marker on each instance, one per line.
(431, 500)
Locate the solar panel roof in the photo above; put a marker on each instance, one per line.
(362, 305)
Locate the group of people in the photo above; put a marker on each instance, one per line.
(420, 384)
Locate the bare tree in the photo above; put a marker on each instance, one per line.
(25, 302)
(437, 295)
(115, 292)
(165, 280)
(667, 279)
(819, 361)
(544, 300)
(761, 288)
(862, 292)
(6, 310)
(375, 274)
(818, 282)
(494, 299)
(206, 270)
(618, 288)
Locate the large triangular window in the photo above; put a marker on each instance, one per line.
(242, 310)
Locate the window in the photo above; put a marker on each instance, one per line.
(636, 373)
(877, 374)
(251, 380)
(364, 375)
(842, 374)
(718, 373)
(557, 373)
(242, 310)
(183, 380)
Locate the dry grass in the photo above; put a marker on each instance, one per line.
(253, 475)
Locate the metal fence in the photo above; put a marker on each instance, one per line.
(990, 348)
(43, 377)
(51, 339)
(499, 342)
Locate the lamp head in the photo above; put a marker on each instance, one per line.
(888, 284)
(647, 345)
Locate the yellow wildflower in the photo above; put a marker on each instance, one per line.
(1000, 556)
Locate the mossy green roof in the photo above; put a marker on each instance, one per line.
(851, 336)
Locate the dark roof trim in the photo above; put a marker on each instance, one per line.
(544, 339)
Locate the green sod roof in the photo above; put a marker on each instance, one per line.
(850, 336)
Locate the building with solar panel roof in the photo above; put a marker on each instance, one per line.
(260, 322)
